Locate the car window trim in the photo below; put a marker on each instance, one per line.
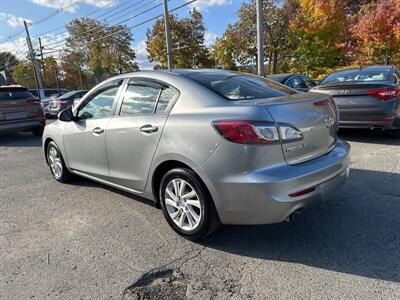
(98, 90)
(143, 80)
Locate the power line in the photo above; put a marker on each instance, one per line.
(85, 16)
(119, 23)
(139, 24)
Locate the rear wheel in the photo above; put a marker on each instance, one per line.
(56, 163)
(187, 205)
(38, 131)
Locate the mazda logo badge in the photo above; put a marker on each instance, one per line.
(329, 120)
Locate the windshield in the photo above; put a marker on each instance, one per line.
(236, 87)
(358, 75)
(67, 95)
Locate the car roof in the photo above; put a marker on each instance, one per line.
(281, 77)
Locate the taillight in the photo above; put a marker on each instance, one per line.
(247, 132)
(34, 101)
(385, 94)
(59, 101)
(255, 132)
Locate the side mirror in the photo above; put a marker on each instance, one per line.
(66, 115)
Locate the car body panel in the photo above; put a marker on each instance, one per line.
(257, 176)
(19, 110)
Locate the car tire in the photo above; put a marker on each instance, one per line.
(190, 211)
(57, 164)
(38, 131)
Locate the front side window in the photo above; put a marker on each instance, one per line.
(100, 106)
(235, 87)
(139, 100)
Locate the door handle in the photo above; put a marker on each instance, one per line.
(148, 128)
(98, 130)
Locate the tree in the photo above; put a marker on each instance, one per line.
(320, 29)
(238, 44)
(98, 49)
(7, 60)
(24, 75)
(187, 41)
(376, 32)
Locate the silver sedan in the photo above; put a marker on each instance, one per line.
(207, 146)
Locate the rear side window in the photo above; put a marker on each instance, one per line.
(237, 87)
(167, 98)
(359, 75)
(297, 83)
(11, 94)
(139, 100)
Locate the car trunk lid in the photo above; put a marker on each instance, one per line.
(314, 115)
(353, 94)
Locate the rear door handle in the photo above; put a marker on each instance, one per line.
(148, 128)
(98, 130)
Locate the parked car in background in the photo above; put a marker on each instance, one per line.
(367, 97)
(208, 146)
(49, 94)
(20, 111)
(298, 82)
(64, 101)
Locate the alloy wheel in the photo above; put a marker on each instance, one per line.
(183, 204)
(55, 162)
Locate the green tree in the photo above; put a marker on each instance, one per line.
(97, 48)
(238, 44)
(23, 74)
(187, 41)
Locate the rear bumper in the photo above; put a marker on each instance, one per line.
(262, 196)
(385, 116)
(24, 125)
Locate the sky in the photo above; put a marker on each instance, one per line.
(48, 18)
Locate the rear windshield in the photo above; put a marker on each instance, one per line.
(15, 94)
(359, 75)
(236, 87)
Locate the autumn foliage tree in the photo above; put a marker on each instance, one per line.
(187, 41)
(376, 33)
(320, 29)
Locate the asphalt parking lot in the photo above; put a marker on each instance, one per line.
(85, 241)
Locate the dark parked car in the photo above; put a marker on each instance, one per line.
(20, 110)
(295, 81)
(367, 97)
(65, 101)
(49, 94)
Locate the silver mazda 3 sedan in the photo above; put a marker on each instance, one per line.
(207, 146)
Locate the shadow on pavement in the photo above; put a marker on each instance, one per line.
(357, 232)
(368, 136)
(20, 139)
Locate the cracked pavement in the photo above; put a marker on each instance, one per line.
(86, 241)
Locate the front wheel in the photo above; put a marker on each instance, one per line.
(56, 163)
(187, 205)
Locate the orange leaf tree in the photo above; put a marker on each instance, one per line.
(376, 32)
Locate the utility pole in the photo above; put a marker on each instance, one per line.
(58, 85)
(80, 77)
(41, 57)
(168, 36)
(260, 39)
(36, 68)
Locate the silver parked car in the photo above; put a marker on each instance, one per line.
(208, 146)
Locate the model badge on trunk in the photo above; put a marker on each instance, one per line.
(344, 92)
